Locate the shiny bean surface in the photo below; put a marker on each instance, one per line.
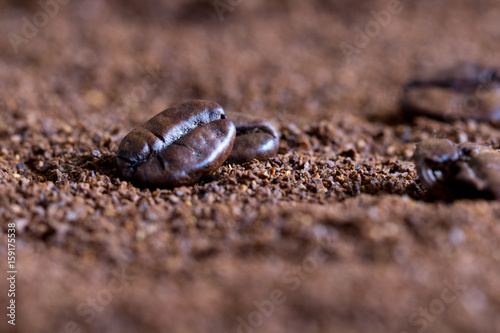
(178, 146)
(255, 139)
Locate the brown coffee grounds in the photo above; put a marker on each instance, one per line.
(336, 231)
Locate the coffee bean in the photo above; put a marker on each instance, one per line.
(468, 170)
(431, 157)
(465, 91)
(255, 139)
(178, 146)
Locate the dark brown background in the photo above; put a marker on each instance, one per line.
(202, 255)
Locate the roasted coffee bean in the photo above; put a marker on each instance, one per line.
(433, 159)
(255, 139)
(449, 171)
(178, 146)
(466, 91)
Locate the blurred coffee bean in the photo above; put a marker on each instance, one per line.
(449, 171)
(466, 91)
(178, 146)
(255, 139)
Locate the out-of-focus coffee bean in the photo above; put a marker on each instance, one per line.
(468, 170)
(465, 91)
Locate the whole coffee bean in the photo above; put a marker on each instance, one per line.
(433, 157)
(255, 139)
(178, 146)
(449, 171)
(465, 91)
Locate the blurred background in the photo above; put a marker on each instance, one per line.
(77, 75)
(301, 59)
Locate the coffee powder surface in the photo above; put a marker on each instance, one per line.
(334, 234)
